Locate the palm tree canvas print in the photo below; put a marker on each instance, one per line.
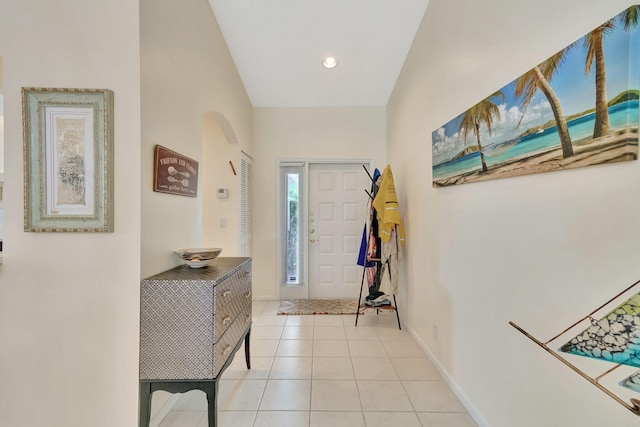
(577, 108)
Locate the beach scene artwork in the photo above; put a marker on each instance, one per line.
(577, 108)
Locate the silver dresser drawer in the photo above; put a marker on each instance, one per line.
(228, 341)
(230, 298)
(184, 312)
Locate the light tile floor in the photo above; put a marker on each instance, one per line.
(317, 371)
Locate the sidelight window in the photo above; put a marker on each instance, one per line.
(292, 179)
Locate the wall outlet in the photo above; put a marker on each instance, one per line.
(435, 331)
(223, 223)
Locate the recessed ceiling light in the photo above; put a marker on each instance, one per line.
(329, 62)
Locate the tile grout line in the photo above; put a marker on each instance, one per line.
(364, 420)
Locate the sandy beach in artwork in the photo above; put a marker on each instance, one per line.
(620, 145)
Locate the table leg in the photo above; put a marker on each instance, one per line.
(247, 352)
(145, 404)
(212, 395)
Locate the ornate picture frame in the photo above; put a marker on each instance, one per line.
(68, 159)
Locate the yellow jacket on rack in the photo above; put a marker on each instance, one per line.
(388, 211)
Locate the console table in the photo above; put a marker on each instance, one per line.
(192, 322)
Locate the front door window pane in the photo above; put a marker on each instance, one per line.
(293, 254)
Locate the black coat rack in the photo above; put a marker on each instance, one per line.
(376, 259)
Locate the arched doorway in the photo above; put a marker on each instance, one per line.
(226, 188)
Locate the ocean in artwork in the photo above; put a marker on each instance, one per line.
(620, 116)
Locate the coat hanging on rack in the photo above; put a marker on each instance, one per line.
(381, 237)
(370, 247)
(391, 230)
(386, 206)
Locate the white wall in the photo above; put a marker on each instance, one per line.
(540, 250)
(302, 133)
(217, 173)
(187, 76)
(69, 303)
(1, 129)
(1, 122)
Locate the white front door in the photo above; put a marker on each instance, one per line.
(337, 209)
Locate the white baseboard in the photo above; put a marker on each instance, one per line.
(469, 406)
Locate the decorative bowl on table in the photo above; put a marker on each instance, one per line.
(198, 257)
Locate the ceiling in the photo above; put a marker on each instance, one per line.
(278, 47)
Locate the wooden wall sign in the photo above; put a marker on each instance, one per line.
(174, 173)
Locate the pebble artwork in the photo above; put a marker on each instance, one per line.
(632, 382)
(614, 338)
